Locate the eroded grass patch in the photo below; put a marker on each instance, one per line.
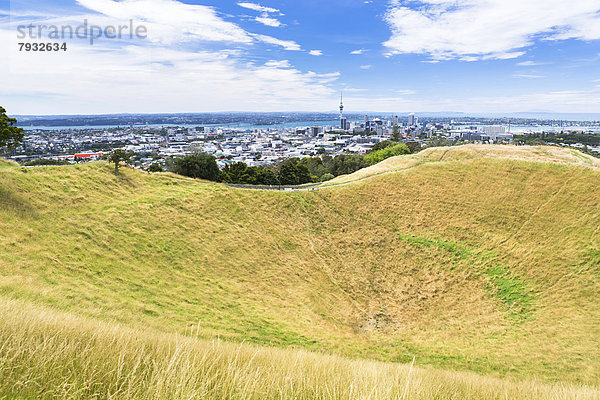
(514, 292)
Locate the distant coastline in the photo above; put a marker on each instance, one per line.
(283, 120)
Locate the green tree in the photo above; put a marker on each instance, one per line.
(155, 167)
(240, 173)
(198, 166)
(391, 151)
(10, 134)
(396, 133)
(293, 172)
(438, 141)
(264, 176)
(236, 173)
(287, 174)
(315, 165)
(45, 162)
(117, 156)
(414, 147)
(344, 164)
(381, 145)
(327, 177)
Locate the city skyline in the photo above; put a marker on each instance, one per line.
(398, 57)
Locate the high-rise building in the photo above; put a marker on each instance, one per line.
(493, 131)
(343, 123)
(396, 120)
(315, 130)
(412, 119)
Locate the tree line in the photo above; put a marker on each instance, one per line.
(541, 138)
(293, 171)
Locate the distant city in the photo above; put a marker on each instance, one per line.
(269, 138)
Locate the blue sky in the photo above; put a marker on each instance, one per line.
(478, 56)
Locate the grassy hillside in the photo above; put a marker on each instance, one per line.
(5, 163)
(55, 355)
(476, 258)
(522, 153)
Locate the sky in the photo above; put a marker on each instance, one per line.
(471, 56)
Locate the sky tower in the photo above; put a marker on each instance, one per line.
(343, 122)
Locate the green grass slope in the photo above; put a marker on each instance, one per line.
(470, 261)
(5, 163)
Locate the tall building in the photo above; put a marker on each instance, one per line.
(343, 123)
(493, 131)
(343, 120)
(396, 120)
(412, 119)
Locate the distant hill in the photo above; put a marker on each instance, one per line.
(472, 258)
(199, 119)
(471, 151)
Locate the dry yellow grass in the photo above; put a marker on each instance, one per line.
(529, 153)
(47, 355)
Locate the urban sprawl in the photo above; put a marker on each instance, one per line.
(269, 145)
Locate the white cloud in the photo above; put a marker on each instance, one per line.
(324, 78)
(575, 101)
(503, 56)
(530, 76)
(258, 7)
(527, 64)
(178, 70)
(315, 53)
(560, 100)
(268, 21)
(99, 79)
(358, 52)
(265, 18)
(170, 21)
(286, 44)
(354, 90)
(366, 66)
(490, 29)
